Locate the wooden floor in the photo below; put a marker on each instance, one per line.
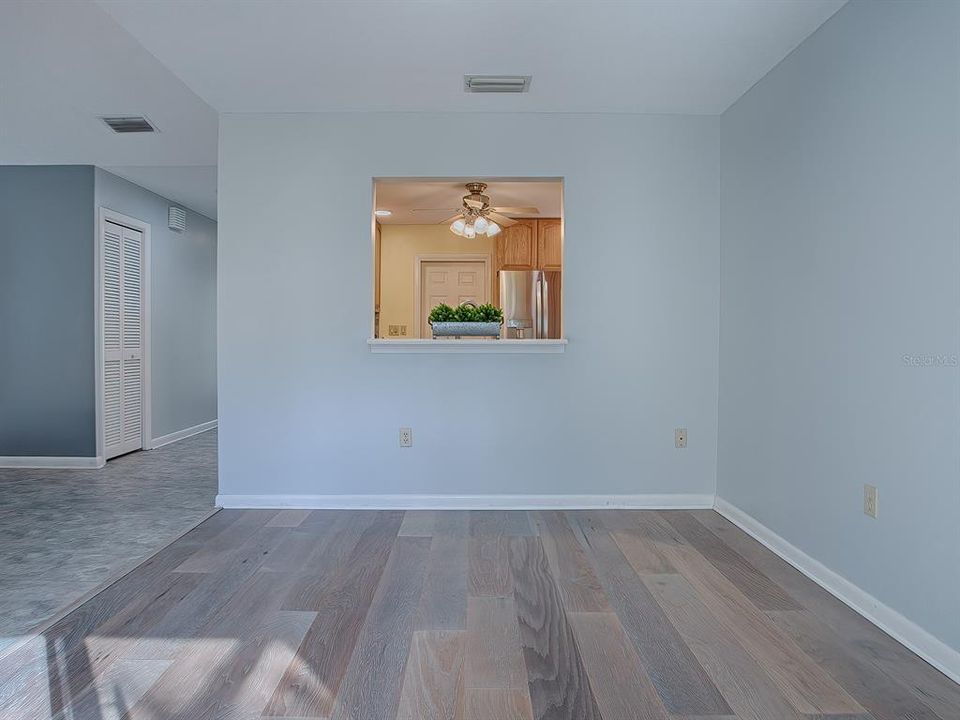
(467, 615)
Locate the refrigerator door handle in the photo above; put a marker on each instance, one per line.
(544, 308)
(538, 321)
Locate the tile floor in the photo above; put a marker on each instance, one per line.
(63, 533)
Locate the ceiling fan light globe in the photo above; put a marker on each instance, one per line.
(492, 229)
(457, 226)
(480, 225)
(470, 231)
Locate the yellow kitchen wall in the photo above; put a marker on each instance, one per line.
(399, 247)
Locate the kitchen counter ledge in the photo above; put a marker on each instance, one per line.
(418, 345)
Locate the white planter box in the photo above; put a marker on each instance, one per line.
(465, 329)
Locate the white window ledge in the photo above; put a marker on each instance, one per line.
(466, 346)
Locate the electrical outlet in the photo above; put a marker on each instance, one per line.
(403, 330)
(680, 437)
(870, 501)
(393, 330)
(406, 437)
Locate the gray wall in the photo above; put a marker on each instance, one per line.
(47, 403)
(183, 281)
(305, 408)
(840, 278)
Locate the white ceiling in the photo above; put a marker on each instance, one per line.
(193, 185)
(63, 63)
(420, 202)
(634, 56)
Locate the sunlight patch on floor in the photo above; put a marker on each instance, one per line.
(23, 670)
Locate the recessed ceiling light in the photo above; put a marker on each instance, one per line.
(382, 213)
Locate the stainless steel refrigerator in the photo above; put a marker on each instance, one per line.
(530, 300)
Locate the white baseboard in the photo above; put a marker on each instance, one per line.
(467, 502)
(908, 633)
(52, 463)
(182, 434)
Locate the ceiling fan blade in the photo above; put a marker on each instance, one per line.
(450, 219)
(444, 209)
(501, 220)
(516, 210)
(472, 203)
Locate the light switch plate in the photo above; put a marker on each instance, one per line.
(680, 437)
(870, 501)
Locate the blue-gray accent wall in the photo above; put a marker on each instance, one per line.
(47, 396)
(48, 228)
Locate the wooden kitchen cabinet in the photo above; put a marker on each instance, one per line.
(530, 245)
(517, 246)
(549, 245)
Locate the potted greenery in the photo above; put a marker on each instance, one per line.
(466, 319)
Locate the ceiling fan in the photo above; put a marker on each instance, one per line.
(477, 217)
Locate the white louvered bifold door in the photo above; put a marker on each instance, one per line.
(122, 339)
(112, 338)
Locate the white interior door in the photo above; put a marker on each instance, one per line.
(450, 282)
(122, 339)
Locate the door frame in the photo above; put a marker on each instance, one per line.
(146, 425)
(444, 257)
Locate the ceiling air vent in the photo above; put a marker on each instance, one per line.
(496, 83)
(129, 124)
(176, 218)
